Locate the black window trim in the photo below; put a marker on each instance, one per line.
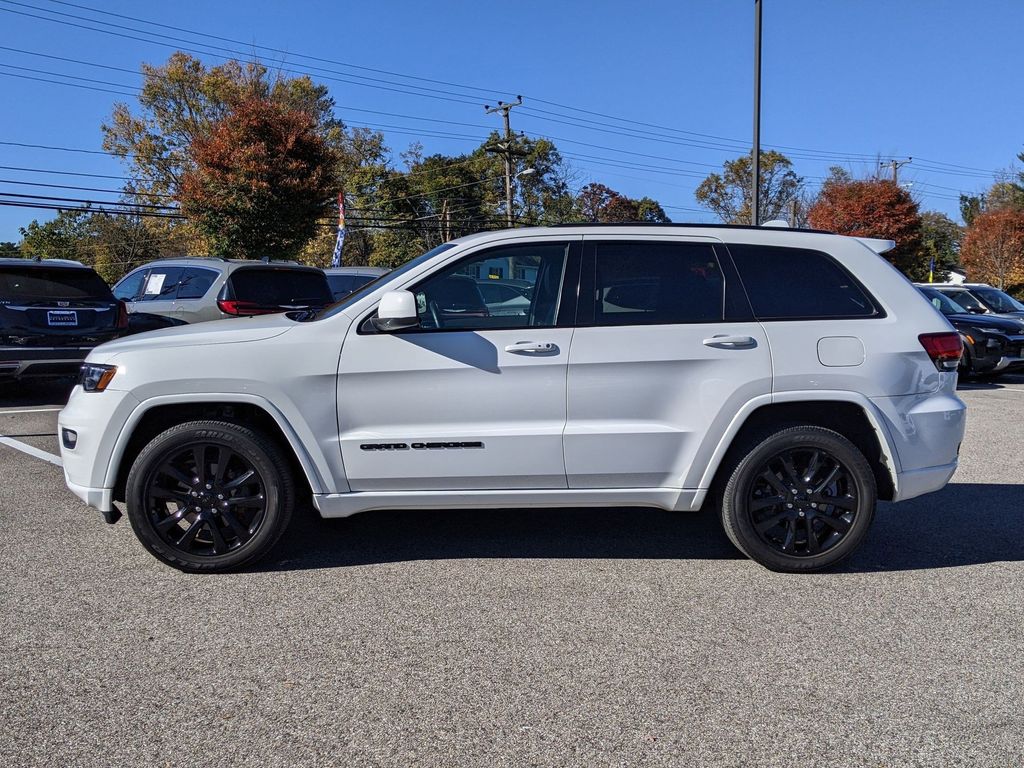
(735, 305)
(879, 311)
(567, 301)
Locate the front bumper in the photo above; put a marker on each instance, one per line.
(97, 418)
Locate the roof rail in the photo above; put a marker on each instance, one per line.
(678, 225)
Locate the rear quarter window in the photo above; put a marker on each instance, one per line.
(799, 284)
(280, 286)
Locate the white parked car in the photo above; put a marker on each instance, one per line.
(787, 379)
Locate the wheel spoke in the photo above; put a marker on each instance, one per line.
(812, 540)
(848, 503)
(175, 474)
(769, 477)
(238, 481)
(763, 503)
(787, 464)
(234, 500)
(224, 456)
(770, 522)
(787, 544)
(240, 531)
(219, 545)
(836, 523)
(829, 479)
(171, 520)
(812, 466)
(199, 457)
(190, 535)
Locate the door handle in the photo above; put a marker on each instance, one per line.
(730, 342)
(532, 348)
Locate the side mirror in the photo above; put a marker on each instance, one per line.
(397, 310)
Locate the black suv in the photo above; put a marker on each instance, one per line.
(52, 313)
(992, 344)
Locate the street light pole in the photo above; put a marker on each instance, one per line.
(755, 187)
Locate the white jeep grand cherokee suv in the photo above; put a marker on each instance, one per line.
(787, 378)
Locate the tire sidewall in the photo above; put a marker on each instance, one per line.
(735, 503)
(276, 489)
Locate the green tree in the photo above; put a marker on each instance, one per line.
(728, 193)
(66, 236)
(940, 243)
(9, 251)
(261, 182)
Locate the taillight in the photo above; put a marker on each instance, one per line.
(243, 308)
(944, 349)
(122, 315)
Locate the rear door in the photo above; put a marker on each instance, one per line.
(665, 352)
(159, 290)
(194, 301)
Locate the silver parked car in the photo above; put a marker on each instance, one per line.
(206, 288)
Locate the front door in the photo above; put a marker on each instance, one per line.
(666, 352)
(474, 398)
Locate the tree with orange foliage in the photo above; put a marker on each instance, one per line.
(993, 249)
(873, 208)
(263, 177)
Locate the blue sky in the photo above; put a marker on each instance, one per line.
(843, 82)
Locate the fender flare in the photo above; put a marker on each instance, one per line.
(872, 413)
(314, 466)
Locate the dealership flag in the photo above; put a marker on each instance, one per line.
(931, 270)
(336, 258)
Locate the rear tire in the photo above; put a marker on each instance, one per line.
(210, 496)
(799, 500)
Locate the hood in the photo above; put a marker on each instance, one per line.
(235, 330)
(989, 323)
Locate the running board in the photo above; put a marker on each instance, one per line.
(345, 504)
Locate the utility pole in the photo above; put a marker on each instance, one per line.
(755, 187)
(506, 151)
(792, 212)
(895, 165)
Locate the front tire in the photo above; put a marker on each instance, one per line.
(801, 499)
(209, 496)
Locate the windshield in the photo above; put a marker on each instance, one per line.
(943, 303)
(31, 283)
(997, 300)
(965, 300)
(280, 287)
(373, 285)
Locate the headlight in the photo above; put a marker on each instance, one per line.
(95, 377)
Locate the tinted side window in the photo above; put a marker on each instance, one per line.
(649, 283)
(272, 286)
(129, 287)
(195, 282)
(161, 284)
(453, 298)
(342, 284)
(792, 283)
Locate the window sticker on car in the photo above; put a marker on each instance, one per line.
(155, 284)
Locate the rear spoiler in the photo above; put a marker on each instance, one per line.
(877, 245)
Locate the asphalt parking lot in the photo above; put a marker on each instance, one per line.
(546, 637)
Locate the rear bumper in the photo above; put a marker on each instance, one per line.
(16, 362)
(926, 431)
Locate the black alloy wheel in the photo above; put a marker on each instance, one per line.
(209, 496)
(803, 502)
(205, 499)
(801, 499)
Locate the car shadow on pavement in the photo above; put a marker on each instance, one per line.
(964, 524)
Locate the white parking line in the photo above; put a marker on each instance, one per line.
(30, 410)
(31, 450)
